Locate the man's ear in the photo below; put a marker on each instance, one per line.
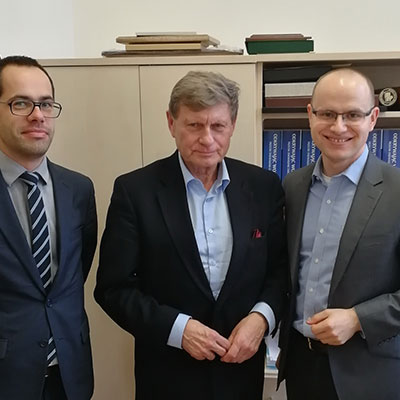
(374, 118)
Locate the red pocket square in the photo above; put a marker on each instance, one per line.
(257, 234)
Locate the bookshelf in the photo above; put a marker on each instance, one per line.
(126, 134)
(383, 68)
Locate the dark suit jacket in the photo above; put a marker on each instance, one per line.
(27, 314)
(150, 271)
(366, 276)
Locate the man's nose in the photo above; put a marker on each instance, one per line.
(36, 113)
(340, 123)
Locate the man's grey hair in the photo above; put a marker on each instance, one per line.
(199, 90)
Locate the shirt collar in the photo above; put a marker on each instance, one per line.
(222, 180)
(353, 172)
(11, 170)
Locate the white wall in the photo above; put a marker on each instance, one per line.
(83, 28)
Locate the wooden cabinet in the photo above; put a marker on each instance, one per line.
(99, 134)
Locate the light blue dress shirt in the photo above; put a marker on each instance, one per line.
(211, 223)
(328, 205)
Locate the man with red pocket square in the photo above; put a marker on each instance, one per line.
(193, 260)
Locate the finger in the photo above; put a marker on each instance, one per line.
(210, 355)
(320, 329)
(221, 351)
(232, 354)
(223, 342)
(318, 317)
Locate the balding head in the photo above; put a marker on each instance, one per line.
(341, 115)
(344, 78)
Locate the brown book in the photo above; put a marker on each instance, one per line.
(164, 46)
(204, 39)
(277, 37)
(287, 102)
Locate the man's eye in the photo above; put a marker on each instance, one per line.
(218, 127)
(21, 104)
(46, 105)
(354, 116)
(327, 114)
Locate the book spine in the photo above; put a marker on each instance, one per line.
(288, 89)
(390, 153)
(374, 142)
(291, 146)
(272, 151)
(309, 152)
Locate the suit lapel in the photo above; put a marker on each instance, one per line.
(63, 207)
(15, 236)
(240, 204)
(297, 194)
(173, 203)
(364, 203)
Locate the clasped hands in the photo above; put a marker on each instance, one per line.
(202, 342)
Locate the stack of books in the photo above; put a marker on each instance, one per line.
(163, 41)
(169, 43)
(290, 89)
(279, 43)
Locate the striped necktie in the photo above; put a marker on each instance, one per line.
(40, 239)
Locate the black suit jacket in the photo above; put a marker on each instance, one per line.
(366, 276)
(150, 271)
(27, 314)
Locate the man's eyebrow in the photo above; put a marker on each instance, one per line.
(24, 97)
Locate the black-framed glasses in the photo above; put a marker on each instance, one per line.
(349, 117)
(25, 107)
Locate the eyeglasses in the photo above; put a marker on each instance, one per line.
(25, 107)
(349, 117)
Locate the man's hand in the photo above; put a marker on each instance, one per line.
(334, 326)
(202, 342)
(245, 338)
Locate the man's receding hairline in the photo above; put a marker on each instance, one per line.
(343, 72)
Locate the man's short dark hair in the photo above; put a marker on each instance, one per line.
(22, 61)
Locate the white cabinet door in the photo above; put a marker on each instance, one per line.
(98, 134)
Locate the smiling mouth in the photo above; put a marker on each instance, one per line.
(333, 140)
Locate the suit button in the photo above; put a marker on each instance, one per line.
(49, 303)
(43, 343)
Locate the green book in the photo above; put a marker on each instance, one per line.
(279, 46)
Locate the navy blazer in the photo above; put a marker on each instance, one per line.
(28, 314)
(366, 276)
(150, 271)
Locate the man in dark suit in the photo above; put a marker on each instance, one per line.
(48, 230)
(341, 339)
(192, 258)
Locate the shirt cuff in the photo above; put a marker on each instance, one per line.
(265, 310)
(176, 334)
